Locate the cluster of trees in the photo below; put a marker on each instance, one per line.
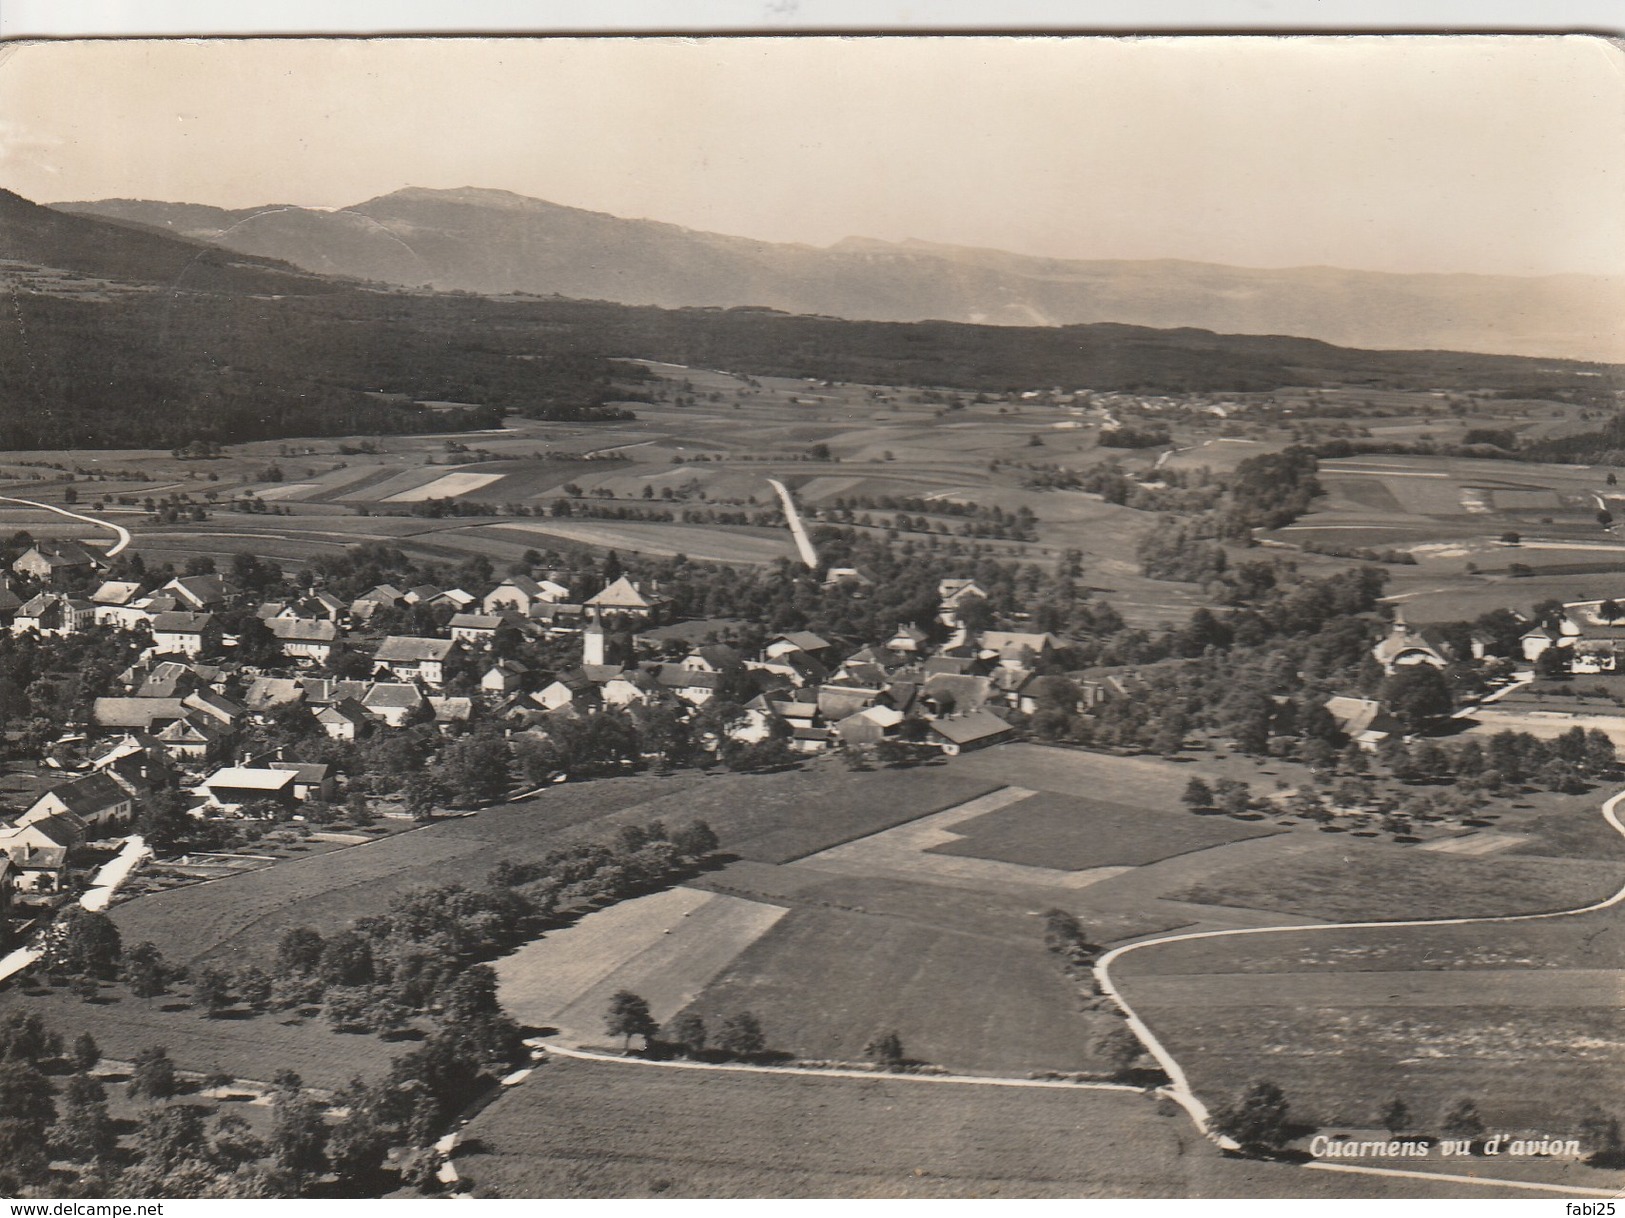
(1270, 490)
(739, 1037)
(637, 859)
(1151, 435)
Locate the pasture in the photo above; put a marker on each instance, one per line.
(613, 1129)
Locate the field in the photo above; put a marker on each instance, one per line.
(1375, 881)
(604, 1129)
(664, 947)
(1074, 834)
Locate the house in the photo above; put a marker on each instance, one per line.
(209, 705)
(96, 799)
(60, 829)
(199, 593)
(304, 640)
(849, 578)
(384, 596)
(343, 720)
(1018, 649)
(324, 691)
(837, 700)
(475, 629)
(311, 780)
(36, 868)
(622, 686)
(955, 693)
(694, 686)
(1362, 720)
(906, 640)
(116, 604)
(184, 633)
(264, 693)
(953, 593)
(451, 710)
(168, 679)
(808, 738)
(713, 657)
(962, 733)
(412, 658)
(236, 786)
(10, 602)
(870, 726)
(503, 677)
(1402, 647)
(195, 738)
(803, 642)
(518, 593)
(625, 597)
(393, 702)
(51, 613)
(568, 689)
(53, 561)
(136, 714)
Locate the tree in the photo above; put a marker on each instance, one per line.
(1553, 663)
(1256, 1119)
(356, 1147)
(1198, 795)
(300, 950)
(1118, 1047)
(741, 1036)
(84, 1132)
(1600, 1135)
(298, 1134)
(629, 1016)
(1415, 695)
(27, 1109)
(254, 986)
(695, 840)
(1396, 1117)
(89, 946)
(152, 1075)
(1461, 1120)
(170, 1134)
(688, 1032)
(86, 1053)
(886, 1051)
(25, 1038)
(211, 990)
(346, 960)
(145, 971)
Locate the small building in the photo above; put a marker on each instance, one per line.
(36, 868)
(796, 642)
(962, 733)
(207, 704)
(194, 739)
(147, 715)
(625, 597)
(384, 596)
(1016, 648)
(503, 677)
(869, 726)
(1403, 648)
(343, 720)
(311, 780)
(393, 702)
(518, 593)
(51, 562)
(906, 640)
(1362, 720)
(414, 659)
(267, 693)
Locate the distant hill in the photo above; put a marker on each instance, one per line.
(43, 236)
(494, 242)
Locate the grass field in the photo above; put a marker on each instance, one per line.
(1370, 880)
(825, 982)
(1073, 834)
(255, 1048)
(1529, 1068)
(664, 947)
(590, 1129)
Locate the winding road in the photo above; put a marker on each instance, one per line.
(122, 534)
(1179, 1088)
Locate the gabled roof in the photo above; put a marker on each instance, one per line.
(675, 676)
(622, 594)
(1355, 716)
(200, 589)
(217, 705)
(179, 622)
(266, 692)
(968, 693)
(60, 829)
(1010, 642)
(348, 708)
(89, 795)
(476, 621)
(322, 690)
(409, 649)
(251, 778)
(193, 728)
(386, 694)
(521, 583)
(116, 592)
(451, 709)
(806, 640)
(304, 630)
(968, 729)
(135, 712)
(303, 771)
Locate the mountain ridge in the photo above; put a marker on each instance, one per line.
(497, 242)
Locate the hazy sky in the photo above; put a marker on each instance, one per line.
(1483, 154)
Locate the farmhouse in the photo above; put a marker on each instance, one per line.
(475, 629)
(96, 799)
(37, 868)
(137, 714)
(195, 738)
(117, 604)
(51, 562)
(870, 726)
(1362, 720)
(519, 593)
(1403, 647)
(1018, 649)
(199, 593)
(796, 642)
(306, 640)
(412, 658)
(625, 597)
(311, 780)
(181, 633)
(384, 596)
(264, 693)
(393, 702)
(343, 720)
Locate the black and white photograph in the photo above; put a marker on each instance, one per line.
(887, 617)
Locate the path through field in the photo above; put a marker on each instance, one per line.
(1179, 1087)
(122, 534)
